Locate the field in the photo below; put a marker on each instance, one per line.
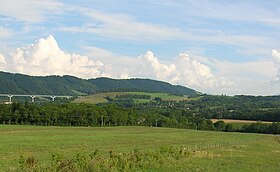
(239, 121)
(238, 124)
(212, 151)
(101, 97)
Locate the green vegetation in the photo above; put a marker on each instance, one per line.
(237, 125)
(138, 103)
(257, 108)
(72, 114)
(69, 85)
(157, 149)
(136, 97)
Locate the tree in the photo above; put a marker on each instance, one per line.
(158, 99)
(220, 125)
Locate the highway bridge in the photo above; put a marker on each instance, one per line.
(10, 96)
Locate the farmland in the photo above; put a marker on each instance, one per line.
(102, 97)
(238, 124)
(220, 151)
(239, 121)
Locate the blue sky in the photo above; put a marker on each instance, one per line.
(229, 47)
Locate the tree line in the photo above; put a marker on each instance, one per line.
(70, 114)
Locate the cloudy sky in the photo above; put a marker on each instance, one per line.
(213, 46)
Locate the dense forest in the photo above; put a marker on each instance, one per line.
(70, 85)
(70, 114)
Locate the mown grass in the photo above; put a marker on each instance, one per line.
(101, 97)
(229, 151)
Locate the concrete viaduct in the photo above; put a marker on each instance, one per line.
(10, 96)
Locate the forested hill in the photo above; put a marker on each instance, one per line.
(144, 85)
(70, 85)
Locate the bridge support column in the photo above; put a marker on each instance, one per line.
(53, 97)
(32, 98)
(10, 98)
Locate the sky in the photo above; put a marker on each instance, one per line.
(216, 47)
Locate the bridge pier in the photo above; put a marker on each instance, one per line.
(53, 97)
(10, 98)
(32, 98)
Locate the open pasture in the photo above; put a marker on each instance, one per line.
(221, 151)
(101, 97)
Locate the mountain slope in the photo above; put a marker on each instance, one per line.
(142, 85)
(69, 85)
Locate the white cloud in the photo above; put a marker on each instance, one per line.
(161, 71)
(243, 11)
(250, 77)
(276, 59)
(30, 10)
(122, 26)
(183, 70)
(4, 32)
(2, 62)
(126, 27)
(46, 58)
(276, 56)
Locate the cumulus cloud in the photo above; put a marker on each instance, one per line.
(2, 62)
(276, 60)
(161, 71)
(46, 58)
(183, 70)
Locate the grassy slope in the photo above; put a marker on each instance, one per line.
(100, 97)
(246, 152)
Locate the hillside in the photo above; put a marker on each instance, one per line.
(70, 85)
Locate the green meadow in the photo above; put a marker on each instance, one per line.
(101, 97)
(209, 150)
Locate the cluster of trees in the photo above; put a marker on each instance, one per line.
(69, 114)
(273, 128)
(258, 127)
(259, 108)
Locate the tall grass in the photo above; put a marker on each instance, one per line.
(113, 161)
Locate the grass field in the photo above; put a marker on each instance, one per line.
(101, 97)
(229, 151)
(239, 121)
